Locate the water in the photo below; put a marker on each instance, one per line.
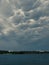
(24, 59)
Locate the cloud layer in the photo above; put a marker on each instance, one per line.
(24, 24)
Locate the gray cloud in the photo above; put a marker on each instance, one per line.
(24, 24)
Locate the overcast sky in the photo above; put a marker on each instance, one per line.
(24, 25)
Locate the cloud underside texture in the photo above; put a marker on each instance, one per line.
(24, 24)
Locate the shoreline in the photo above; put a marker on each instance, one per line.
(24, 52)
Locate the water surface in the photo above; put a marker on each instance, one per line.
(24, 59)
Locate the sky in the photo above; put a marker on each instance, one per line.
(24, 25)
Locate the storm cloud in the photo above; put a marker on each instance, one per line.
(24, 24)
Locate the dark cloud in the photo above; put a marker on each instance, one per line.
(24, 24)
